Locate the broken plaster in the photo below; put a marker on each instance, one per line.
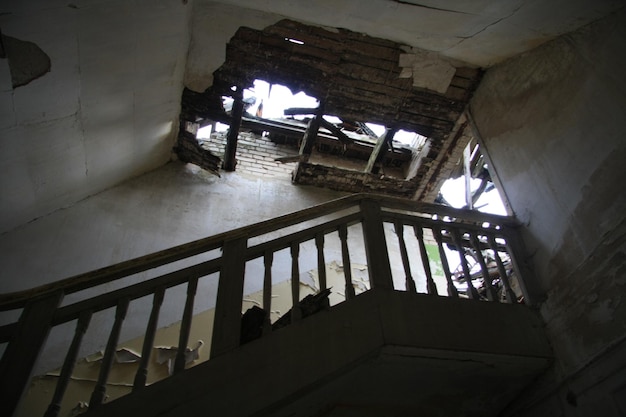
(27, 61)
(427, 69)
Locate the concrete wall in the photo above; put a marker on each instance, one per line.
(105, 112)
(553, 123)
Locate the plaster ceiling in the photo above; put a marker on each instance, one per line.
(107, 108)
(478, 32)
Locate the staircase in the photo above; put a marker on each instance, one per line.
(383, 352)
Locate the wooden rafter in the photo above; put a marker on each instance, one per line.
(379, 150)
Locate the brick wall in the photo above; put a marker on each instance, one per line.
(255, 154)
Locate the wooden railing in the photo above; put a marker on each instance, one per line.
(491, 241)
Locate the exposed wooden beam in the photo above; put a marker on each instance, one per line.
(290, 158)
(337, 132)
(233, 132)
(311, 132)
(378, 152)
(292, 111)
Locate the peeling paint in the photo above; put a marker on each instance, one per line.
(27, 61)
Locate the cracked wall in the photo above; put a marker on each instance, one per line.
(552, 120)
(97, 117)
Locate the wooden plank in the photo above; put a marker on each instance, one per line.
(361, 72)
(292, 111)
(376, 246)
(285, 241)
(307, 34)
(452, 291)
(458, 94)
(99, 393)
(372, 49)
(233, 132)
(345, 259)
(268, 259)
(491, 292)
(289, 159)
(467, 72)
(142, 370)
(343, 138)
(472, 293)
(430, 283)
(103, 275)
(185, 326)
(296, 311)
(469, 203)
(410, 282)
(141, 289)
(381, 147)
(510, 295)
(371, 61)
(227, 323)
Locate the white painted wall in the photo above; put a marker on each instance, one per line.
(105, 112)
(553, 123)
(173, 205)
(479, 32)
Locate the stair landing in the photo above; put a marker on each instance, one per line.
(384, 353)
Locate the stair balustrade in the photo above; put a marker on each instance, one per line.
(489, 250)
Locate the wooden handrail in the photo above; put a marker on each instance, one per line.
(107, 274)
(466, 230)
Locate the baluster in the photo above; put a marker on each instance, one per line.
(24, 348)
(452, 291)
(430, 283)
(510, 295)
(410, 283)
(68, 364)
(492, 295)
(99, 392)
(472, 293)
(185, 326)
(227, 322)
(268, 259)
(296, 313)
(321, 264)
(347, 267)
(142, 371)
(376, 251)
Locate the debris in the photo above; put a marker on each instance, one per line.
(309, 305)
(250, 300)
(252, 324)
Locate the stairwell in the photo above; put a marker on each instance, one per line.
(383, 352)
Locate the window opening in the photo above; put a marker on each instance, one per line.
(340, 143)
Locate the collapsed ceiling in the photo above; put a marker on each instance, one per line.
(355, 77)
